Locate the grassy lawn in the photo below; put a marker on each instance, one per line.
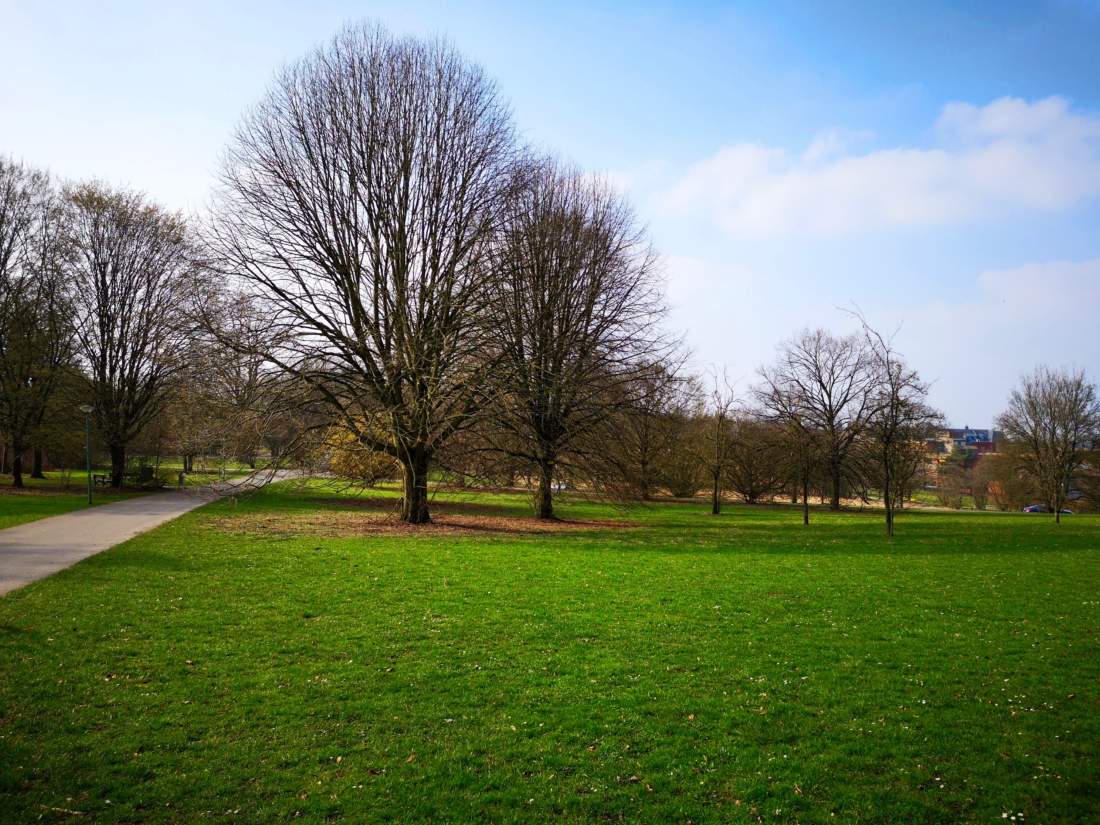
(51, 496)
(253, 662)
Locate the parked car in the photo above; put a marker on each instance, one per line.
(1042, 508)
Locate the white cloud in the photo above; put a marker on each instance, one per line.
(974, 350)
(1009, 155)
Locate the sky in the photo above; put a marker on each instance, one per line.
(934, 165)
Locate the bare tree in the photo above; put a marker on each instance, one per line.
(899, 420)
(357, 204)
(1053, 417)
(35, 324)
(830, 382)
(716, 446)
(783, 402)
(130, 262)
(754, 467)
(575, 324)
(651, 426)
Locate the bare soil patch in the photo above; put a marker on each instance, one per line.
(379, 517)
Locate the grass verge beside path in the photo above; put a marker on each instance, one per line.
(288, 655)
(50, 496)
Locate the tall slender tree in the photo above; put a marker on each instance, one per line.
(898, 423)
(575, 324)
(35, 324)
(131, 265)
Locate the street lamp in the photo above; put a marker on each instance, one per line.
(87, 410)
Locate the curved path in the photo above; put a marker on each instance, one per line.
(32, 551)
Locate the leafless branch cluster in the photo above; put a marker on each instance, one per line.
(1054, 417)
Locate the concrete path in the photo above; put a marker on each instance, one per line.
(32, 551)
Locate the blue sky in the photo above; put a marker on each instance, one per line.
(937, 165)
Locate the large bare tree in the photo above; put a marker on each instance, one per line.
(825, 383)
(35, 322)
(1053, 417)
(575, 322)
(130, 263)
(357, 204)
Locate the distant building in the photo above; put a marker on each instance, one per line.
(970, 438)
(974, 443)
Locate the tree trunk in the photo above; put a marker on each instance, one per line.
(544, 503)
(118, 464)
(834, 502)
(805, 500)
(888, 496)
(414, 504)
(36, 466)
(16, 466)
(715, 498)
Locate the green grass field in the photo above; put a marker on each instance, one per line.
(256, 661)
(56, 494)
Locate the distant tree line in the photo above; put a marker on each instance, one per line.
(391, 285)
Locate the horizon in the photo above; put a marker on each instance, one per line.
(936, 168)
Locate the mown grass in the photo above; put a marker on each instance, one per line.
(738, 668)
(57, 493)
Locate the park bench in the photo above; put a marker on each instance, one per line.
(101, 480)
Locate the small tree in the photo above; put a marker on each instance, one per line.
(951, 479)
(754, 469)
(1010, 486)
(679, 469)
(825, 383)
(717, 442)
(898, 422)
(650, 427)
(1054, 417)
(783, 399)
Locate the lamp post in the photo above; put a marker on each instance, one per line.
(87, 410)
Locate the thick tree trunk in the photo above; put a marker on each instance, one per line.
(118, 464)
(16, 466)
(715, 497)
(36, 466)
(544, 502)
(414, 504)
(834, 501)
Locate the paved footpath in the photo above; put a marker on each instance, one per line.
(32, 551)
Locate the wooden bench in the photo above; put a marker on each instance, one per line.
(101, 480)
